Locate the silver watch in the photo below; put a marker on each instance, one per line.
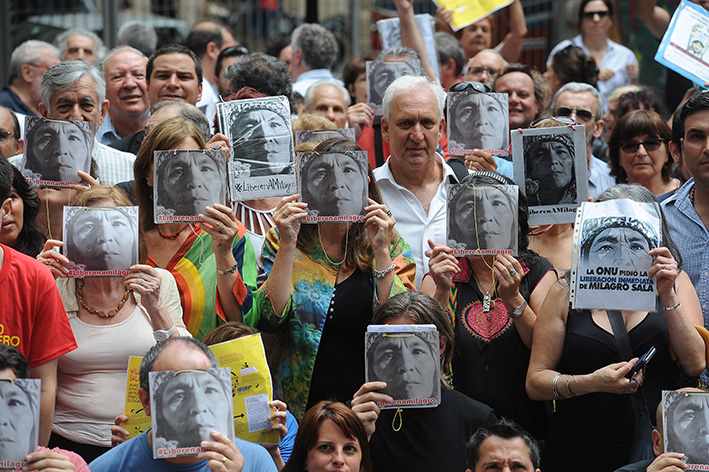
(161, 335)
(517, 312)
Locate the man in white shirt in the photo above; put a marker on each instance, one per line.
(413, 180)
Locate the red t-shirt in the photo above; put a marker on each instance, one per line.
(32, 315)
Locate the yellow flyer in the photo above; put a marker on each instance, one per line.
(467, 12)
(138, 421)
(251, 387)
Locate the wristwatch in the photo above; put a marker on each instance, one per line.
(517, 312)
(161, 335)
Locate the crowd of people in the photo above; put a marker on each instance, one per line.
(514, 367)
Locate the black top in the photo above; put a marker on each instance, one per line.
(490, 361)
(339, 365)
(430, 439)
(130, 143)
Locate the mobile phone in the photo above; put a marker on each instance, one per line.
(641, 362)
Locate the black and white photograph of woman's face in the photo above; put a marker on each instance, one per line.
(381, 74)
(19, 419)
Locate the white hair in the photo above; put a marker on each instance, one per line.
(310, 93)
(408, 84)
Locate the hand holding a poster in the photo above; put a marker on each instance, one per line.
(220, 142)
(379, 225)
(443, 266)
(118, 433)
(366, 404)
(665, 268)
(509, 273)
(222, 453)
(287, 216)
(49, 461)
(145, 281)
(54, 260)
(359, 116)
(280, 415)
(222, 226)
(480, 160)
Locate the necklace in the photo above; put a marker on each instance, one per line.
(171, 236)
(541, 231)
(487, 297)
(93, 310)
(347, 239)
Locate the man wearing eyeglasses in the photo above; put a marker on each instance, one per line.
(11, 142)
(582, 103)
(484, 66)
(28, 63)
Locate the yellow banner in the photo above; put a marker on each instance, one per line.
(467, 12)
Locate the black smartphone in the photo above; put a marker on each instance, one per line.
(641, 362)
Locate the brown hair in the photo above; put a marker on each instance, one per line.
(165, 136)
(105, 192)
(227, 332)
(309, 121)
(309, 432)
(634, 124)
(359, 250)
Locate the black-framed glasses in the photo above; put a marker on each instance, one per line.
(649, 145)
(561, 119)
(480, 70)
(5, 136)
(470, 86)
(589, 15)
(583, 115)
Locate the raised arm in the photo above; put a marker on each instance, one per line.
(656, 19)
(512, 48)
(411, 36)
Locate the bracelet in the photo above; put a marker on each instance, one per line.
(380, 274)
(228, 271)
(553, 387)
(568, 390)
(670, 308)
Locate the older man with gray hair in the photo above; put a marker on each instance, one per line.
(582, 103)
(413, 180)
(314, 53)
(75, 90)
(328, 98)
(80, 45)
(28, 63)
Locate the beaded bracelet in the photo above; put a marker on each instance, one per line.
(670, 308)
(228, 271)
(380, 274)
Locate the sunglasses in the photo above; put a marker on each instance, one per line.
(583, 115)
(649, 145)
(561, 119)
(589, 15)
(480, 70)
(5, 136)
(473, 86)
(235, 50)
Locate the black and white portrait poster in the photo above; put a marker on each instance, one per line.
(390, 35)
(334, 185)
(186, 182)
(611, 257)
(320, 135)
(19, 421)
(55, 150)
(478, 120)
(381, 74)
(262, 156)
(686, 426)
(482, 220)
(185, 406)
(100, 241)
(551, 168)
(407, 358)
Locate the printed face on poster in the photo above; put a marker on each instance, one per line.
(686, 426)
(407, 358)
(19, 421)
(390, 35)
(262, 157)
(334, 185)
(381, 74)
(55, 150)
(100, 241)
(482, 220)
(612, 240)
(185, 406)
(551, 168)
(320, 135)
(186, 182)
(478, 120)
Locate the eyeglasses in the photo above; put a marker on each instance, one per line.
(583, 115)
(480, 70)
(474, 86)
(235, 51)
(648, 144)
(561, 119)
(589, 15)
(5, 136)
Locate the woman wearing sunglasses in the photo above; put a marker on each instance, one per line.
(617, 64)
(639, 153)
